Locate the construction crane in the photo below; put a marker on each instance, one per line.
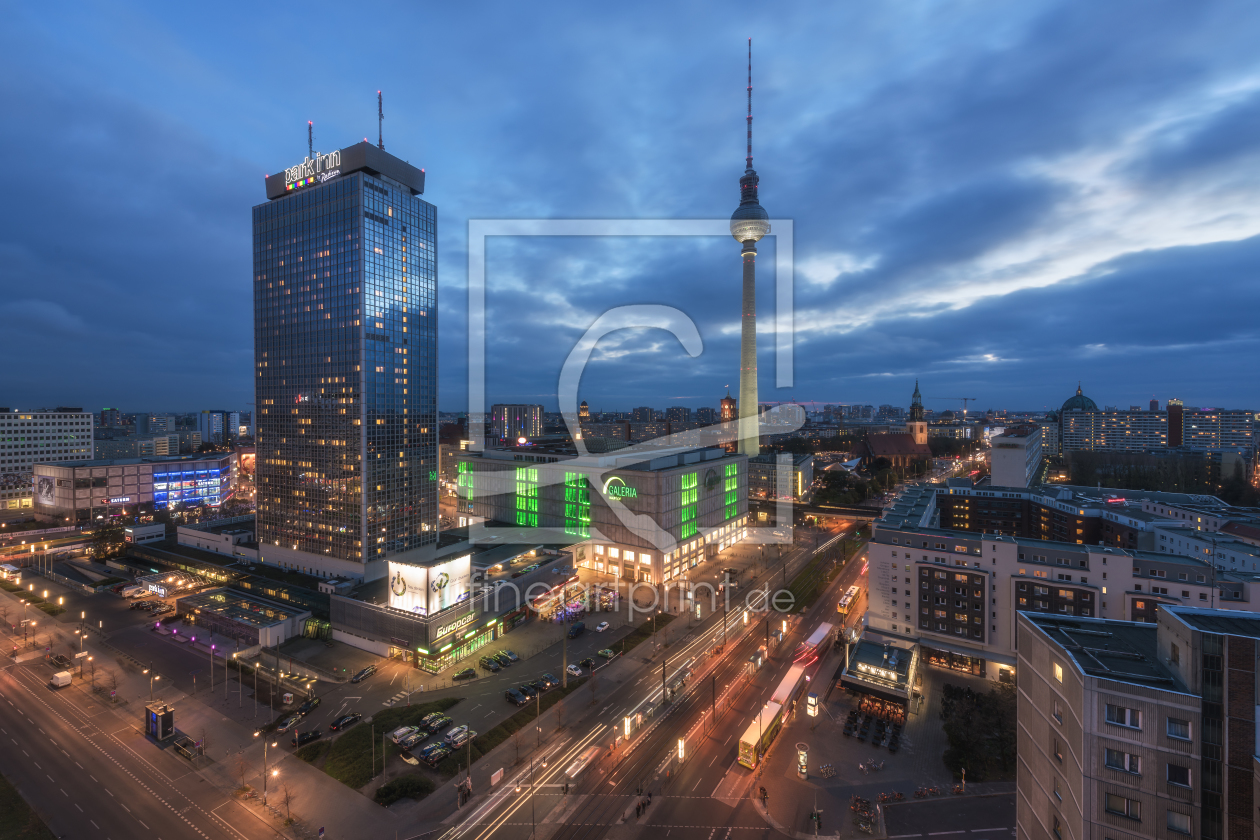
(965, 400)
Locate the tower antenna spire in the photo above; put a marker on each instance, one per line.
(749, 158)
(380, 120)
(310, 138)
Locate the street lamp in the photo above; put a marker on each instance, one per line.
(265, 773)
(152, 677)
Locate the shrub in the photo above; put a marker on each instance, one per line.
(411, 786)
(313, 752)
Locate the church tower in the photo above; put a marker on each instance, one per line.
(917, 426)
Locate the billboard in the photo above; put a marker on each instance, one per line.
(46, 490)
(425, 590)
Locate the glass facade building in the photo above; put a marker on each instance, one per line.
(345, 347)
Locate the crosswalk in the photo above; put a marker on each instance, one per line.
(396, 698)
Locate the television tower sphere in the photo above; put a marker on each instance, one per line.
(749, 222)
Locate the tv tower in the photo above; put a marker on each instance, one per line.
(749, 223)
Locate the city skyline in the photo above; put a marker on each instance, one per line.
(971, 209)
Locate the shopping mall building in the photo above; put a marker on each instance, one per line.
(649, 517)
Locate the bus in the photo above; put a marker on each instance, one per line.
(847, 601)
(790, 688)
(759, 735)
(816, 646)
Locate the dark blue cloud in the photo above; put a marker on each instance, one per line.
(1000, 199)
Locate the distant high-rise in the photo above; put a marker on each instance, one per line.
(749, 223)
(1176, 422)
(516, 421)
(111, 418)
(345, 351)
(1154, 405)
(678, 414)
(213, 424)
(642, 414)
(706, 416)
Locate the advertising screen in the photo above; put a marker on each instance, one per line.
(449, 582)
(425, 590)
(408, 588)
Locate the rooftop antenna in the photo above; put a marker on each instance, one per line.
(310, 138)
(380, 119)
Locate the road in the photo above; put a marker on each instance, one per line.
(604, 793)
(83, 772)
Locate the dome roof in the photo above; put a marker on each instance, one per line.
(1079, 402)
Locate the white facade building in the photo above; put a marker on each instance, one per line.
(41, 436)
(1016, 457)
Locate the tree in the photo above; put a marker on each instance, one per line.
(242, 768)
(287, 797)
(590, 684)
(560, 715)
(107, 540)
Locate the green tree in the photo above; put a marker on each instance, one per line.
(107, 540)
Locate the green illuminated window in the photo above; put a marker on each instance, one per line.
(527, 496)
(690, 483)
(577, 505)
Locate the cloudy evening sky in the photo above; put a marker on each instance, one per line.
(999, 199)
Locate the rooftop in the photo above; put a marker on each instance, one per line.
(1114, 650)
(1224, 622)
(126, 462)
(245, 609)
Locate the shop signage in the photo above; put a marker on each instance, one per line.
(617, 488)
(117, 500)
(457, 624)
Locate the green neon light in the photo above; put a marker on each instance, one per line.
(449, 645)
(422, 650)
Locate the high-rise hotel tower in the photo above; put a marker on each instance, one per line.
(345, 354)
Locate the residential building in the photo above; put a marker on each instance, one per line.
(345, 350)
(509, 422)
(213, 426)
(1015, 458)
(782, 477)
(706, 416)
(111, 418)
(678, 414)
(1139, 730)
(30, 437)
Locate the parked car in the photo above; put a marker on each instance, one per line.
(288, 723)
(574, 671)
(434, 758)
(437, 724)
(606, 653)
(413, 739)
(61, 660)
(345, 722)
(305, 737)
(576, 629)
(429, 749)
(551, 681)
(489, 664)
(540, 686)
(455, 734)
(429, 718)
(528, 690)
(501, 658)
(309, 706)
(601, 627)
(587, 663)
(509, 654)
(364, 674)
(515, 697)
(466, 674)
(461, 738)
(402, 732)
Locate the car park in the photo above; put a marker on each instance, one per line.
(402, 732)
(607, 654)
(489, 664)
(345, 722)
(601, 627)
(574, 671)
(288, 723)
(515, 697)
(305, 737)
(466, 674)
(509, 654)
(364, 674)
